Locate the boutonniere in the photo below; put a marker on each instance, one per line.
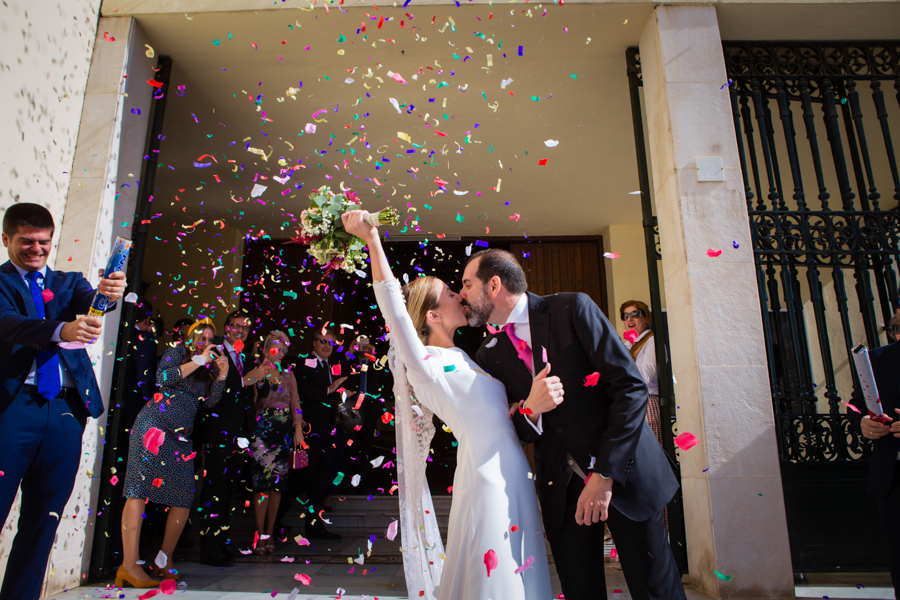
(48, 296)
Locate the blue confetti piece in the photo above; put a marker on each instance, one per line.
(481, 243)
(520, 50)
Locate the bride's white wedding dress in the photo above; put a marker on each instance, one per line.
(495, 506)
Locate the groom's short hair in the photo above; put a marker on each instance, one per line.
(504, 265)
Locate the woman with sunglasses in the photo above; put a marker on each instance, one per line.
(636, 316)
(279, 429)
(160, 455)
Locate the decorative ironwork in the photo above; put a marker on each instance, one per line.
(797, 235)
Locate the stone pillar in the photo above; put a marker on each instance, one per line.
(100, 205)
(731, 481)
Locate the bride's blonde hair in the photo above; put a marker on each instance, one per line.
(421, 296)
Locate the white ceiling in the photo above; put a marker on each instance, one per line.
(583, 188)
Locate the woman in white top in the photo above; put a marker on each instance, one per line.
(636, 316)
(495, 526)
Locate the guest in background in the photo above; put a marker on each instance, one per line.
(318, 397)
(141, 376)
(279, 428)
(179, 331)
(365, 381)
(160, 457)
(892, 329)
(227, 432)
(636, 316)
(47, 392)
(884, 475)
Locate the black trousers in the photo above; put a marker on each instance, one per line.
(316, 478)
(889, 511)
(227, 469)
(644, 552)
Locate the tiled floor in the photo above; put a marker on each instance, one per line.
(259, 581)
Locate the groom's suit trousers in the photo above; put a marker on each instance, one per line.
(643, 546)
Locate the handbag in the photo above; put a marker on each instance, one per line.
(299, 459)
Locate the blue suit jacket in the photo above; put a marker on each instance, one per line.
(886, 367)
(22, 333)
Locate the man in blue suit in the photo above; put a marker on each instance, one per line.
(47, 392)
(884, 474)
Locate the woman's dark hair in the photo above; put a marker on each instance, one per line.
(26, 214)
(504, 265)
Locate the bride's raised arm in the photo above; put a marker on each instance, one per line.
(390, 301)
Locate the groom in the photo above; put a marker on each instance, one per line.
(596, 459)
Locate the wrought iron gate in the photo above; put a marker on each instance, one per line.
(807, 245)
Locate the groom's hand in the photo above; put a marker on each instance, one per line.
(593, 503)
(546, 394)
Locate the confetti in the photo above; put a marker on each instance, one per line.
(304, 579)
(392, 531)
(630, 336)
(551, 143)
(524, 566)
(713, 253)
(153, 439)
(686, 441)
(490, 561)
(723, 577)
(611, 255)
(131, 298)
(591, 380)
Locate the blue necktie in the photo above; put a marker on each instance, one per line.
(47, 377)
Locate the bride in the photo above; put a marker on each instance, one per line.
(495, 546)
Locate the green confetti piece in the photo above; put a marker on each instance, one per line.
(290, 294)
(723, 577)
(229, 35)
(291, 332)
(428, 206)
(216, 42)
(340, 477)
(443, 84)
(341, 39)
(456, 56)
(536, 98)
(574, 76)
(460, 218)
(449, 368)
(327, 78)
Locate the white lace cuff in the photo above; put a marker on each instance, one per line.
(390, 285)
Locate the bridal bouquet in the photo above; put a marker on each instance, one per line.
(322, 231)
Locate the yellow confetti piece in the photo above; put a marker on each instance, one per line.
(490, 60)
(150, 52)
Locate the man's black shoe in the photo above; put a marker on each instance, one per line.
(216, 560)
(230, 551)
(320, 533)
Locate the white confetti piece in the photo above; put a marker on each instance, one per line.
(131, 298)
(505, 83)
(551, 143)
(635, 193)
(349, 80)
(310, 128)
(459, 193)
(257, 190)
(376, 462)
(395, 104)
(355, 480)
(161, 560)
(243, 443)
(392, 531)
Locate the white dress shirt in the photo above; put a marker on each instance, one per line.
(64, 376)
(646, 362)
(518, 317)
(235, 358)
(324, 364)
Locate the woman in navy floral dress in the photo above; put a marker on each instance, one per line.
(279, 427)
(160, 455)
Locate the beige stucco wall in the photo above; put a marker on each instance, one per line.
(626, 276)
(45, 55)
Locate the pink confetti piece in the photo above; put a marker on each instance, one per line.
(397, 77)
(71, 345)
(544, 355)
(686, 441)
(153, 439)
(312, 363)
(336, 370)
(149, 594)
(48, 296)
(490, 561)
(167, 587)
(493, 330)
(611, 255)
(287, 559)
(851, 407)
(630, 336)
(613, 553)
(713, 253)
(114, 479)
(304, 579)
(592, 379)
(525, 565)
(392, 531)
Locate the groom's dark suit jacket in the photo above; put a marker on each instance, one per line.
(602, 427)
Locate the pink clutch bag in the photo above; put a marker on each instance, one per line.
(299, 459)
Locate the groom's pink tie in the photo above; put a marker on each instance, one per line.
(521, 346)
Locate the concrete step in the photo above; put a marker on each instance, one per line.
(373, 514)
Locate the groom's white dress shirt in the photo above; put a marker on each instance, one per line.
(522, 328)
